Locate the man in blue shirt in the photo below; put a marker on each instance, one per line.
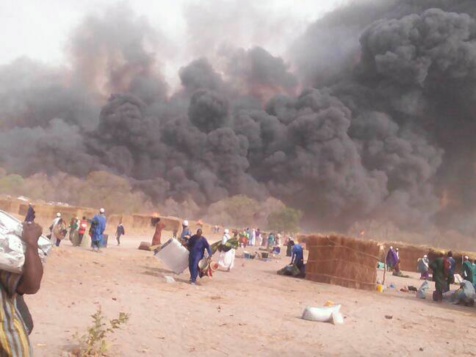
(197, 246)
(98, 226)
(297, 257)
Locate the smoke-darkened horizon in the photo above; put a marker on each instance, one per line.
(371, 116)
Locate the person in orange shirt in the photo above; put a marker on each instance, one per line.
(157, 238)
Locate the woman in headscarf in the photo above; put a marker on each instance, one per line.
(467, 269)
(423, 267)
(227, 256)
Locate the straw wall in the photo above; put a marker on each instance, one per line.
(342, 261)
(409, 255)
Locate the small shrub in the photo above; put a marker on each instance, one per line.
(94, 342)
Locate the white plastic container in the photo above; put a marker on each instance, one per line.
(174, 255)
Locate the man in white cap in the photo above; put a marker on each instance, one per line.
(186, 233)
(58, 230)
(98, 226)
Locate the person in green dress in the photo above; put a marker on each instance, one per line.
(439, 276)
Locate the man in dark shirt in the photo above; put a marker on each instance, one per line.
(197, 246)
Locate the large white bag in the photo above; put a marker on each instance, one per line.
(12, 248)
(321, 314)
(174, 255)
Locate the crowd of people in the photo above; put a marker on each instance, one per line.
(443, 273)
(18, 324)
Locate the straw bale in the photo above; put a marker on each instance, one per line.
(342, 261)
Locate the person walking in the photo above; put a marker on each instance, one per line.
(83, 226)
(227, 259)
(98, 226)
(58, 230)
(157, 238)
(30, 215)
(120, 232)
(74, 231)
(197, 246)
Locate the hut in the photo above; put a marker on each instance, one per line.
(342, 261)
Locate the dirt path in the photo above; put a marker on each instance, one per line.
(249, 311)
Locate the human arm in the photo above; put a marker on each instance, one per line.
(207, 247)
(32, 269)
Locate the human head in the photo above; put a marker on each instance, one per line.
(425, 256)
(450, 254)
(101, 211)
(466, 258)
(58, 214)
(185, 223)
(199, 232)
(84, 217)
(226, 231)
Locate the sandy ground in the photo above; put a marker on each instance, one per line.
(250, 311)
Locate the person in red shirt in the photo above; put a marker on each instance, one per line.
(83, 226)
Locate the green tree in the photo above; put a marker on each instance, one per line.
(241, 209)
(285, 220)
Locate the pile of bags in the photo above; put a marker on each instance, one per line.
(12, 248)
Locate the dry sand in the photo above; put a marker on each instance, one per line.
(250, 311)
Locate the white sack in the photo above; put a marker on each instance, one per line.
(321, 314)
(12, 248)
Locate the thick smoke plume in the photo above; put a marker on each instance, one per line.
(373, 118)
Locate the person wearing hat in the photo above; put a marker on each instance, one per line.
(227, 258)
(98, 226)
(58, 230)
(186, 233)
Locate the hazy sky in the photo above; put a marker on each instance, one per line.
(40, 29)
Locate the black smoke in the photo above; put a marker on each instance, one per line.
(372, 118)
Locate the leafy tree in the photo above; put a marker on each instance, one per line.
(285, 220)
